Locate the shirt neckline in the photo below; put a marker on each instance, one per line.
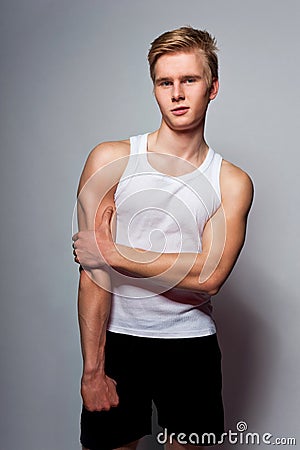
(203, 166)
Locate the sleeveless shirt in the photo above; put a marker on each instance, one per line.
(164, 214)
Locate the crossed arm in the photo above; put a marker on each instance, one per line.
(222, 241)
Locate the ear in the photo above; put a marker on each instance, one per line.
(214, 89)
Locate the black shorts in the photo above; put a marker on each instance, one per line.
(181, 376)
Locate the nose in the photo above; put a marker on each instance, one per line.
(177, 92)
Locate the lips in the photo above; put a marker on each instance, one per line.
(180, 110)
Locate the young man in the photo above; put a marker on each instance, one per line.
(145, 315)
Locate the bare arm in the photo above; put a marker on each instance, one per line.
(95, 193)
(223, 239)
(97, 390)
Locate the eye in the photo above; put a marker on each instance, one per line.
(190, 80)
(165, 83)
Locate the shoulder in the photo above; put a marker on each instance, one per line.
(237, 186)
(234, 176)
(106, 152)
(106, 159)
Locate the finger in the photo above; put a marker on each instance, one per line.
(75, 237)
(114, 399)
(115, 403)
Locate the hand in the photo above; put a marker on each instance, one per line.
(99, 392)
(92, 248)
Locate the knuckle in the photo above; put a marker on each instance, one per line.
(106, 407)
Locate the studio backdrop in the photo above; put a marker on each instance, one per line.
(74, 73)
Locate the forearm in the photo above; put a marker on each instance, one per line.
(94, 303)
(182, 270)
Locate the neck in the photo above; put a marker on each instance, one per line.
(188, 144)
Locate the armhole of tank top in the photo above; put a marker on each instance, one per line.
(214, 164)
(131, 162)
(218, 176)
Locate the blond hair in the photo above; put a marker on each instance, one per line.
(185, 39)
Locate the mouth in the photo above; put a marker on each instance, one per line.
(180, 110)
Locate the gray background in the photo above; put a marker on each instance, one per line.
(74, 73)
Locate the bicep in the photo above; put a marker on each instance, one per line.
(92, 199)
(224, 234)
(97, 186)
(90, 208)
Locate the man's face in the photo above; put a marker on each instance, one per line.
(181, 90)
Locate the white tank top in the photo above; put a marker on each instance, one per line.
(166, 214)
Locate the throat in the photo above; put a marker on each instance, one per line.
(172, 165)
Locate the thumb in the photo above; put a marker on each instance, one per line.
(107, 214)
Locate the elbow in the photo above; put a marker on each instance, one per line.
(84, 280)
(215, 285)
(210, 286)
(213, 291)
(94, 281)
(209, 289)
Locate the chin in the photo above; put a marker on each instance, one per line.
(183, 126)
(181, 123)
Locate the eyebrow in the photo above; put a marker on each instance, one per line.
(159, 80)
(184, 77)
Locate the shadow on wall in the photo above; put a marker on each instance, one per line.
(248, 347)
